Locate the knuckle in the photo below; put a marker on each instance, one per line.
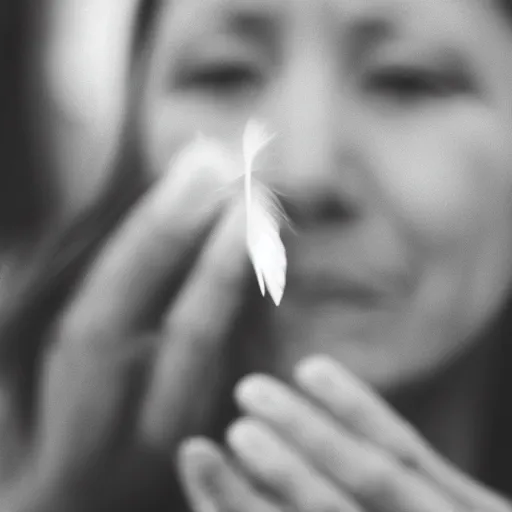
(322, 497)
(282, 475)
(377, 477)
(354, 411)
(323, 443)
(327, 505)
(409, 460)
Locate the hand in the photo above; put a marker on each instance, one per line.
(114, 399)
(337, 446)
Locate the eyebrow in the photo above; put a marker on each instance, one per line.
(359, 30)
(368, 31)
(260, 21)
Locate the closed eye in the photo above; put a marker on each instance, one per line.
(221, 79)
(406, 85)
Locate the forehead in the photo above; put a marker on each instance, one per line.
(344, 13)
(460, 25)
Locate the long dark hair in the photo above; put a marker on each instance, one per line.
(51, 280)
(21, 203)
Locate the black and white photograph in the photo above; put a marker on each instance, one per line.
(255, 255)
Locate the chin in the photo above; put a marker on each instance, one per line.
(383, 348)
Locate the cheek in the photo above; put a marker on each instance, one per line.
(160, 134)
(166, 124)
(448, 181)
(450, 185)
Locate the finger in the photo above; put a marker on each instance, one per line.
(355, 405)
(189, 370)
(87, 406)
(280, 469)
(365, 471)
(212, 484)
(146, 257)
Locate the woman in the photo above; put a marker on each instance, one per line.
(393, 162)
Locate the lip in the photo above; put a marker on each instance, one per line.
(331, 286)
(353, 267)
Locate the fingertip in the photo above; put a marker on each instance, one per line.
(196, 448)
(198, 458)
(314, 367)
(249, 387)
(199, 464)
(247, 436)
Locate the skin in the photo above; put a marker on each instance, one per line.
(396, 180)
(389, 185)
(332, 444)
(97, 348)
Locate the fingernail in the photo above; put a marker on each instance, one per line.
(315, 371)
(257, 390)
(197, 458)
(199, 468)
(247, 436)
(195, 447)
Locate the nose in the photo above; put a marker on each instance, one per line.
(314, 140)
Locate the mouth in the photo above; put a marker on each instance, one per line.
(318, 286)
(352, 269)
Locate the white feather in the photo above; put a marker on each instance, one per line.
(264, 244)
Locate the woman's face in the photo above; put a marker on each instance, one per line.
(394, 152)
